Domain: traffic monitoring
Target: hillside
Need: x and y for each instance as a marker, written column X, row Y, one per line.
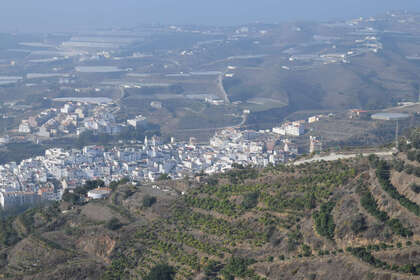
column 349, row 219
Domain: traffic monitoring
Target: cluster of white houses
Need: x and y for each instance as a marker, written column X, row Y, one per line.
column 76, row 118
column 47, row 177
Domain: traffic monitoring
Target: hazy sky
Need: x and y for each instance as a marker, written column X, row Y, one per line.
column 47, row 15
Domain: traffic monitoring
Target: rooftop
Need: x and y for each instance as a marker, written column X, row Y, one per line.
column 390, row 116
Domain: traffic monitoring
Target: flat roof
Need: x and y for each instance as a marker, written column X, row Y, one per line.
column 390, row 116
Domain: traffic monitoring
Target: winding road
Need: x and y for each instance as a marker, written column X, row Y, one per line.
column 334, row 156
column 222, row 88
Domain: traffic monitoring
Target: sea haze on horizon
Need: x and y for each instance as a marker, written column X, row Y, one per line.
column 55, row 15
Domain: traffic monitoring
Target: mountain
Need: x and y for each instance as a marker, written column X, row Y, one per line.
column 347, row 219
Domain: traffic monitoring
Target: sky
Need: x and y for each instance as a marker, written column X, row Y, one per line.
column 65, row 15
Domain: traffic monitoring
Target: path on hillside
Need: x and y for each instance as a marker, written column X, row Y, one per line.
column 334, row 156
column 222, row 88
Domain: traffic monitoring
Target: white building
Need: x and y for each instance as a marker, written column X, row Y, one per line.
column 295, row 129
column 99, row 193
column 138, row 122
column 14, row 199
column 24, row 127
column 292, row 129
column 68, row 108
column 314, row 119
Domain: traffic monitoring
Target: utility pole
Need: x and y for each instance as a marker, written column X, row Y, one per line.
column 396, row 135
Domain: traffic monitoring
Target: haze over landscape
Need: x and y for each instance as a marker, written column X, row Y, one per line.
column 227, row 140
column 50, row 15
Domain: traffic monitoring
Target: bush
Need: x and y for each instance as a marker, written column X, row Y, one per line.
column 113, row 224
column 8, row 235
column 306, row 250
column 415, row 188
column 409, row 169
column 250, row 200
column 398, row 165
column 411, row 155
column 72, row 198
column 358, row 224
column 212, row 268
column 324, row 222
column 383, row 174
column 310, row 200
column 164, row 177
column 237, row 267
column 161, row 272
column 148, row 201
column 369, row 203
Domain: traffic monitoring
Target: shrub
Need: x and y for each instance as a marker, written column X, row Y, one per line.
column 237, row 267
column 148, row 200
column 250, row 200
column 164, row 177
column 383, row 174
column 358, row 224
column 324, row 222
column 411, row 155
column 72, row 198
column 161, row 272
column 306, row 250
column 415, row 188
column 113, row 224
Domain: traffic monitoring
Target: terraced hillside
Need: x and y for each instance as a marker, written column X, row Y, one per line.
column 353, row 219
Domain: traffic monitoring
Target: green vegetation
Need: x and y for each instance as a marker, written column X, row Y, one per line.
column 250, row 200
column 222, row 229
column 164, row 177
column 19, row 151
column 8, row 235
column 358, row 225
column 415, row 188
column 237, row 267
column 76, row 197
column 161, row 272
column 365, row 255
column 306, row 250
column 324, row 222
column 383, row 174
column 148, row 201
column 222, row 206
column 369, row 203
column 113, row 224
column 240, row 174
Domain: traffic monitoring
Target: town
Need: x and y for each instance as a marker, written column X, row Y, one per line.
column 48, row 177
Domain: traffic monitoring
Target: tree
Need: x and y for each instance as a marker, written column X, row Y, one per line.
column 164, row 177
column 310, row 200
column 161, row 272
column 237, row 266
column 250, row 200
column 71, row 197
column 415, row 188
column 113, row 224
column 149, row 200
column 358, row 224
